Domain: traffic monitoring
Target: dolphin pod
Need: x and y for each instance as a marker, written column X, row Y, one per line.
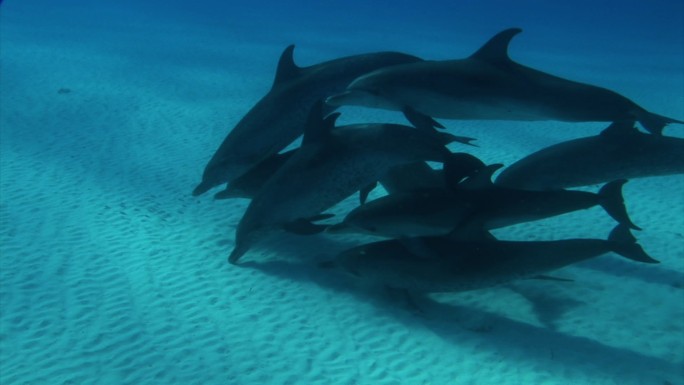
column 438, row 218
column 488, row 85
column 332, row 163
column 474, row 204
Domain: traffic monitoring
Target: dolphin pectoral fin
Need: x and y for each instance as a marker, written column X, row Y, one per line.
column 551, row 278
column 612, row 201
column 624, row 244
column 654, row 123
column 363, row 193
column 420, row 120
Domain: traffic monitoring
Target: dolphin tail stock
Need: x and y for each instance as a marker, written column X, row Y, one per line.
column 611, row 199
column 654, row 123
column 624, row 244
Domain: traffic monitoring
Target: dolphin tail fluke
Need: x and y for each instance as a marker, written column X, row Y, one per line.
column 612, row 201
column 624, row 244
column 655, row 123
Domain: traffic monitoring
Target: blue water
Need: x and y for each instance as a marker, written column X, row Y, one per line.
column 112, row 273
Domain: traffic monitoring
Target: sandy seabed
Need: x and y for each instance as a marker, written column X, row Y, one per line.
column 111, row 273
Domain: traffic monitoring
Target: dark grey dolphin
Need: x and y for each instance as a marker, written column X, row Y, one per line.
column 332, row 163
column 474, row 205
column 620, row 151
column 490, row 86
column 277, row 119
column 440, row 264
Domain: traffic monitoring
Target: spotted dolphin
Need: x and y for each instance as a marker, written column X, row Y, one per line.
column 442, row 264
column 277, row 119
column 332, row 163
column 620, row 151
column 488, row 85
column 474, row 204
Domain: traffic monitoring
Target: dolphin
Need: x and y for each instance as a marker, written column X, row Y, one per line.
column 332, row 163
column 620, row 151
column 277, row 119
column 488, row 85
column 474, row 205
column 442, row 264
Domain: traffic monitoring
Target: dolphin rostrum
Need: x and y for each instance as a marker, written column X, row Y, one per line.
column 620, row 151
column 488, row 85
column 277, row 119
column 332, row 163
column 442, row 264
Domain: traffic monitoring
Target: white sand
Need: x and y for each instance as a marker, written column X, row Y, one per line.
column 111, row 273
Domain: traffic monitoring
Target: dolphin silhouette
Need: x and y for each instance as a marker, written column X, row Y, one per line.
column 442, row 264
column 488, row 85
column 619, row 152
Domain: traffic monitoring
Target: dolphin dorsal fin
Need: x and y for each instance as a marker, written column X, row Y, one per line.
column 287, row 69
column 620, row 129
column 317, row 127
column 481, row 178
column 496, row 49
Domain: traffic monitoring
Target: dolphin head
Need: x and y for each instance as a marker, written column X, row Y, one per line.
column 222, row 170
column 367, row 91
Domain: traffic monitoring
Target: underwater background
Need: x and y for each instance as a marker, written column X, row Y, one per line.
column 112, row 273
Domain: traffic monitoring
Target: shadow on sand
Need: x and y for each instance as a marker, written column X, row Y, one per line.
column 462, row 325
